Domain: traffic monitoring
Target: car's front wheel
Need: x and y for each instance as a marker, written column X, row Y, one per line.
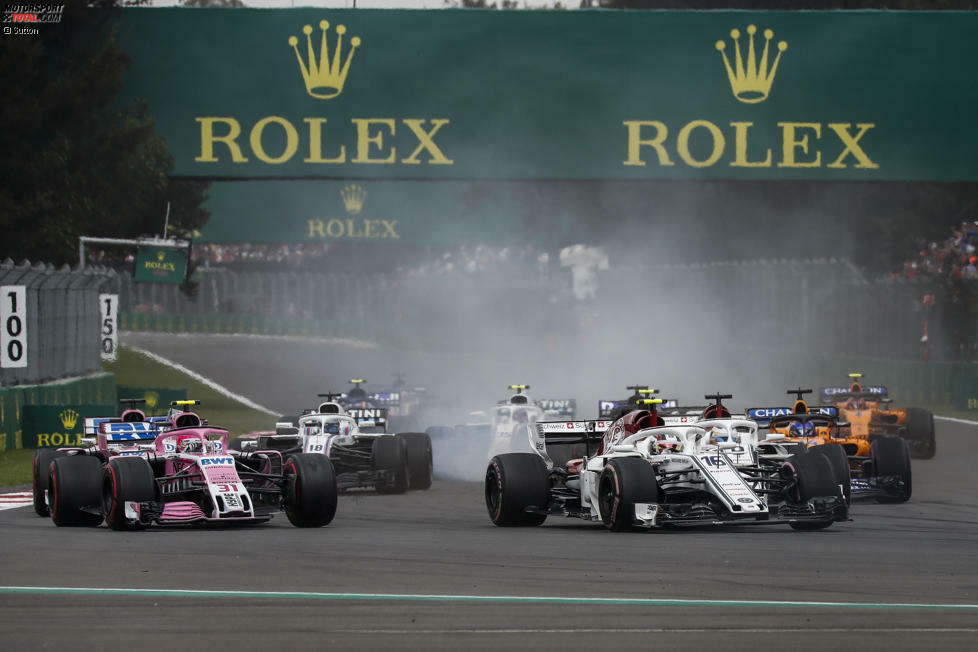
column 515, row 484
column 624, row 482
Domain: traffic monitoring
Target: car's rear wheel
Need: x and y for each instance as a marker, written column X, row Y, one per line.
column 624, row 482
column 41, row 469
column 920, row 433
column 126, row 479
column 310, row 490
column 75, row 489
column 515, row 483
column 419, row 459
column 389, row 454
column 891, row 462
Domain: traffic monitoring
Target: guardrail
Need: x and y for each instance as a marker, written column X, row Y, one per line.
column 58, row 326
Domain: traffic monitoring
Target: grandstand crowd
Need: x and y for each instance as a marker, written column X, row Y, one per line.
column 944, row 274
column 954, row 258
column 936, row 289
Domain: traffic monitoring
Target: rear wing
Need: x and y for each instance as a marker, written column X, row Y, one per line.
column 562, row 408
column 92, row 424
column 369, row 417
column 606, row 407
column 764, row 415
column 829, row 394
column 385, row 398
column 571, row 432
column 131, row 430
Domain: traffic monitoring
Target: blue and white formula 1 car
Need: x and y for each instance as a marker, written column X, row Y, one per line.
column 355, row 440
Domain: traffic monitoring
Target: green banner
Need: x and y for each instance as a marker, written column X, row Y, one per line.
column 14, row 401
column 59, row 425
column 157, row 398
column 390, row 212
column 443, row 94
column 966, row 393
column 160, row 264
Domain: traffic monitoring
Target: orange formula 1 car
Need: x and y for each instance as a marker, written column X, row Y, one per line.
column 879, row 468
column 868, row 411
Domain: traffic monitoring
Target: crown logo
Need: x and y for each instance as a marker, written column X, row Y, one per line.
column 160, row 255
column 324, row 79
column 353, row 197
column 152, row 398
column 68, row 419
column 753, row 83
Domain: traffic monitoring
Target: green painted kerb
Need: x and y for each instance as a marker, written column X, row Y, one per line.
column 498, row 599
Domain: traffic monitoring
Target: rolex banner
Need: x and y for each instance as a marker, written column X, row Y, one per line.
column 514, row 95
column 58, row 425
column 160, row 264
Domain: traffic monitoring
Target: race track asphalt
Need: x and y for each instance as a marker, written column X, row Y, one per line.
column 428, row 571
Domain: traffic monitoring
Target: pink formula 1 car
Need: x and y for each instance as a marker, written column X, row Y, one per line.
column 189, row 477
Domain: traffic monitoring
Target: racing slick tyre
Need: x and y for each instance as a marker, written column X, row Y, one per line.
column 310, row 490
column 74, row 486
column 41, row 468
column 514, row 483
column 624, row 482
column 810, row 476
column 390, row 453
column 891, row 458
column 419, row 459
column 126, row 479
column 840, row 466
column 920, row 433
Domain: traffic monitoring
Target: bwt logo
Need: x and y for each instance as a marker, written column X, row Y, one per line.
column 217, row 461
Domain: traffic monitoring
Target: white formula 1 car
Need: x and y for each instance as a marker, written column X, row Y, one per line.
column 356, row 442
column 646, row 473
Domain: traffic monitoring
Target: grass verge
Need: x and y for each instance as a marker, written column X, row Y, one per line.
column 219, row 410
column 137, row 370
column 15, row 467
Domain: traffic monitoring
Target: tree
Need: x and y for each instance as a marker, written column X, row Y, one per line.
column 72, row 160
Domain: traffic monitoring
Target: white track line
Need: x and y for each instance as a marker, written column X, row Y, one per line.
column 220, row 389
column 954, row 420
column 486, row 599
column 670, row 630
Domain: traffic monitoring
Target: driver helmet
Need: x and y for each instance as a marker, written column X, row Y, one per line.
column 520, row 416
column 188, row 444
column 718, row 434
column 665, row 444
column 799, row 429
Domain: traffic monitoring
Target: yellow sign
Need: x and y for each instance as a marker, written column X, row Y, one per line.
column 323, row 76
column 68, row 419
column 353, row 198
column 751, row 83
